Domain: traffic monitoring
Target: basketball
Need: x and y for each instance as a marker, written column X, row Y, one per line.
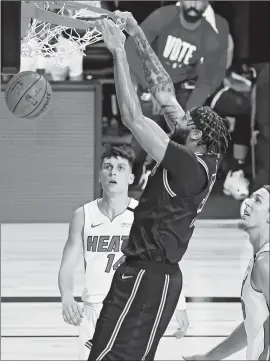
column 28, row 95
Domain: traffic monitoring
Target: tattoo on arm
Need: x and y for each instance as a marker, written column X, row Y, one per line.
column 171, row 115
column 159, row 82
column 156, row 76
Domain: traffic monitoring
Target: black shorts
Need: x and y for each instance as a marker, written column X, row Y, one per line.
column 136, row 312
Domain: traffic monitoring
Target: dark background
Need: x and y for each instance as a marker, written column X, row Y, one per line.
column 249, row 25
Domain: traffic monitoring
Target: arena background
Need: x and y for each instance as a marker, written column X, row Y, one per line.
column 50, row 167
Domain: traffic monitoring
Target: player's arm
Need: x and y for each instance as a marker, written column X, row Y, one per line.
column 212, row 71
column 159, row 82
column 181, row 316
column 151, row 27
column 235, row 342
column 149, row 134
column 71, row 310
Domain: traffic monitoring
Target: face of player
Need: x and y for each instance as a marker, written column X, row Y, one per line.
column 116, row 175
column 193, row 10
column 255, row 213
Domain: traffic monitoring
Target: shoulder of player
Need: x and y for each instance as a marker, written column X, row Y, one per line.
column 85, row 205
column 262, row 263
column 205, row 158
column 260, row 272
column 76, row 227
column 78, row 210
column 211, row 157
column 78, row 216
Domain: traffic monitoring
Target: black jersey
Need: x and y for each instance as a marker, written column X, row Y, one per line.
column 165, row 217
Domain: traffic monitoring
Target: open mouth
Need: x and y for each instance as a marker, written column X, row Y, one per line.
column 112, row 182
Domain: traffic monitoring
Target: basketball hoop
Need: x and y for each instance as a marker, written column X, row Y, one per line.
column 52, row 18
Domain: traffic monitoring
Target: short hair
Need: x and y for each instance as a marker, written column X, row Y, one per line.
column 215, row 129
column 267, row 187
column 123, row 151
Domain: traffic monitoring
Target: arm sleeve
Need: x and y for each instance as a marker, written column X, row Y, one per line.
column 151, row 27
column 186, row 170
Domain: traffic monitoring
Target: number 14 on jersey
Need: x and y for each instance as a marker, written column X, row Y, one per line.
column 111, row 265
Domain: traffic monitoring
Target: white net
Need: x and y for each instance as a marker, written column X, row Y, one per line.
column 42, row 36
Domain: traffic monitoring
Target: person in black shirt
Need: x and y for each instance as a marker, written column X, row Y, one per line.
column 146, row 287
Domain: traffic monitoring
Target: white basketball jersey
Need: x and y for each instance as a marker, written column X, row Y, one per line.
column 102, row 241
column 255, row 312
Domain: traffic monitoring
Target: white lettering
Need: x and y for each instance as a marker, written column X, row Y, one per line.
column 177, row 50
column 185, row 47
column 169, row 45
column 189, row 54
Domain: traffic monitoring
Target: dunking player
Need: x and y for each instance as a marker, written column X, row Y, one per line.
column 100, row 227
column 146, row 287
column 253, row 332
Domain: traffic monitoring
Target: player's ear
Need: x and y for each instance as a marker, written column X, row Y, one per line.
column 99, row 177
column 195, row 134
column 131, row 178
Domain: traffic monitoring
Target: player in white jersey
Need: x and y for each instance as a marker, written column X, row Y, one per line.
column 253, row 332
column 99, row 228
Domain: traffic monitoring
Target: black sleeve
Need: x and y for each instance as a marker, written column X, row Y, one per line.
column 187, row 172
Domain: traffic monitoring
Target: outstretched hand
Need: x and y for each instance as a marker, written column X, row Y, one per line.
column 112, row 35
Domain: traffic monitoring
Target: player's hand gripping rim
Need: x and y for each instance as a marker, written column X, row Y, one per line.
column 127, row 21
column 112, row 35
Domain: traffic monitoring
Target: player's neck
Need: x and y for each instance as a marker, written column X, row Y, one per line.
column 113, row 205
column 258, row 239
column 187, row 25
